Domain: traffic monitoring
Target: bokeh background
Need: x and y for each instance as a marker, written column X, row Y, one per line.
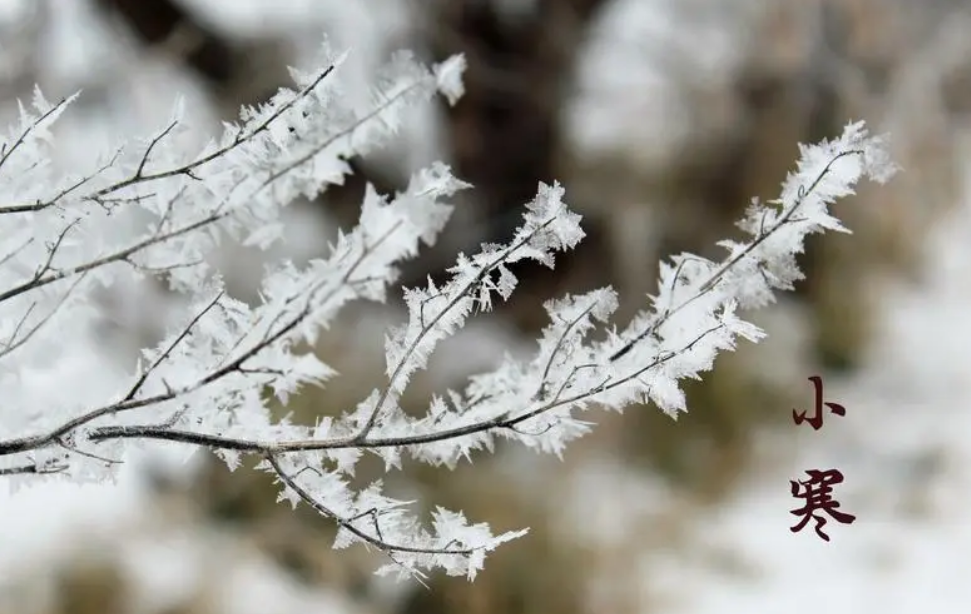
column 662, row 118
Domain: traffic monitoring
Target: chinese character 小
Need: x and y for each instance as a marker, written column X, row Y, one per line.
column 817, row 420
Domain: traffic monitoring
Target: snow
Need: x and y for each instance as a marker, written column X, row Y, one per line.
column 902, row 448
column 903, row 439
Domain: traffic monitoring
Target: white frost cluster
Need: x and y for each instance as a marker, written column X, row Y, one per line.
column 205, row 384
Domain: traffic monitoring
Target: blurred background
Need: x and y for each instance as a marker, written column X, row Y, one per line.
column 662, row 118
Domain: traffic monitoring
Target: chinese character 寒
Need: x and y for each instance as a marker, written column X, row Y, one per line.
column 818, row 497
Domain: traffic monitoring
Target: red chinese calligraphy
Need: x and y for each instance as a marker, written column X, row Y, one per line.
column 818, row 498
column 816, row 421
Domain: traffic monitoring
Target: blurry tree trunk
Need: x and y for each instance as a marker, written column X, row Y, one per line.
column 158, row 22
column 506, row 133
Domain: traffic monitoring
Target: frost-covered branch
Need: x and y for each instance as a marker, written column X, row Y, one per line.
column 65, row 237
